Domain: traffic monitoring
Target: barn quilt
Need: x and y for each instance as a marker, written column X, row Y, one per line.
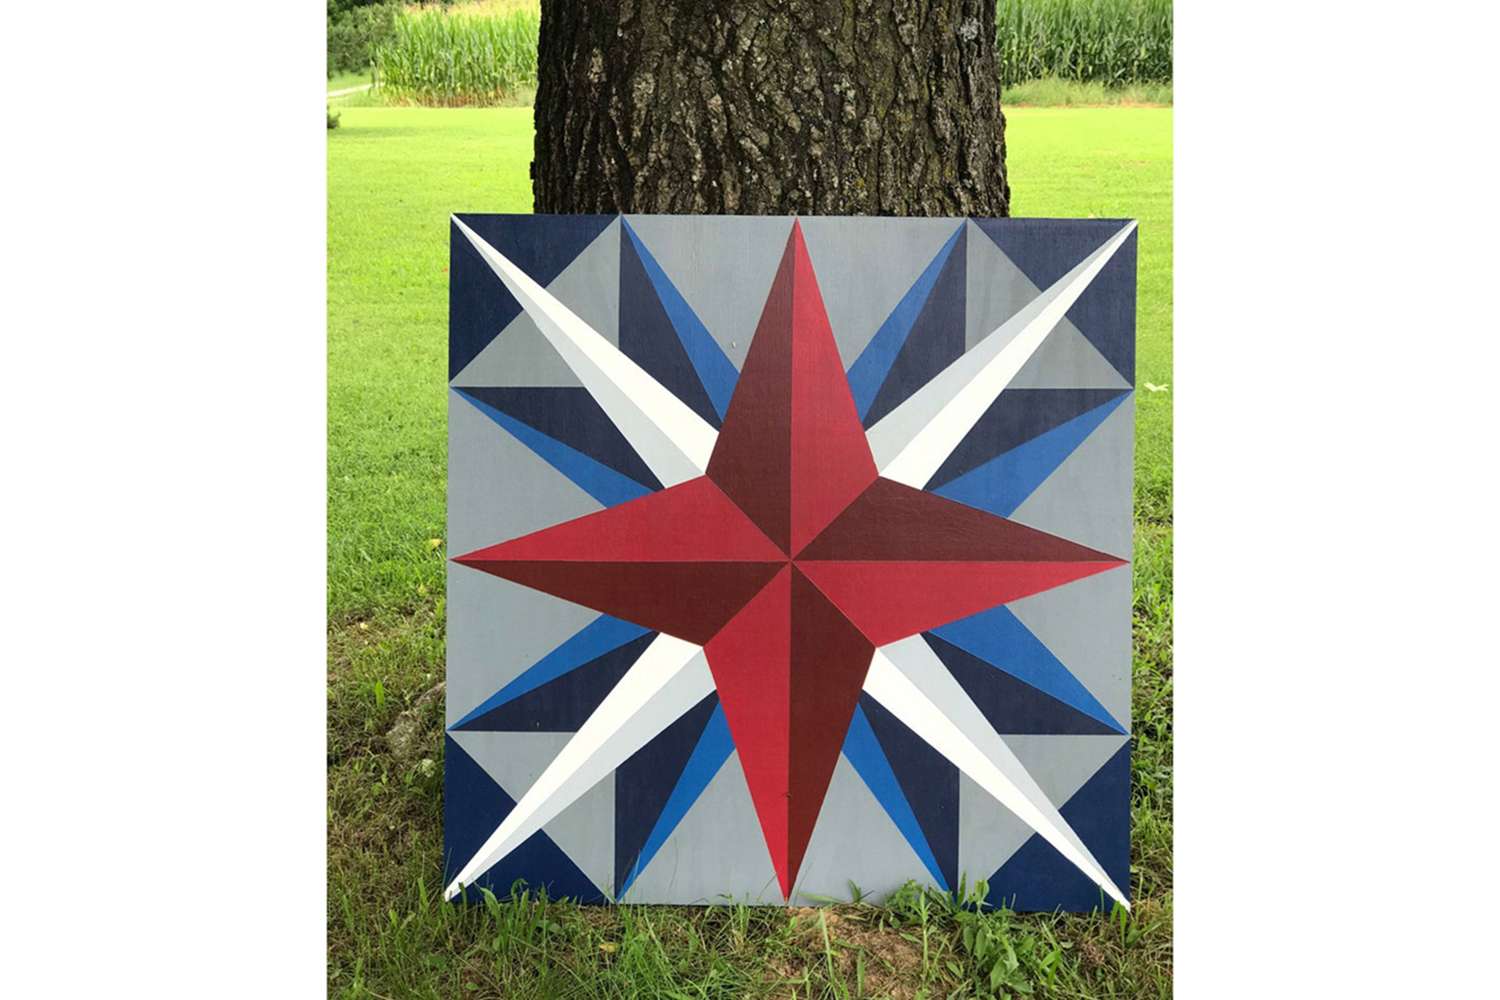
column 789, row 556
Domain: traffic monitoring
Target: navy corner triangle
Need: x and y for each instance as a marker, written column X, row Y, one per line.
column 1045, row 250
column 479, row 305
column 1038, row 878
column 474, row 805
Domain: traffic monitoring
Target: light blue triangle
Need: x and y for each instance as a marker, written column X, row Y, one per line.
column 869, row 370
column 1000, row 639
column 592, row 641
column 713, row 749
column 597, row 480
column 714, row 368
column 1004, row 482
column 862, row 749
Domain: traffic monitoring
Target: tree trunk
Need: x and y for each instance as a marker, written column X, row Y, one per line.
column 769, row 107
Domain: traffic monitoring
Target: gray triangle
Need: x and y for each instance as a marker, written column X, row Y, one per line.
column 997, row 290
column 988, row 833
column 721, row 265
column 585, row 830
column 1087, row 498
column 498, row 488
column 1086, row 625
column 521, row 356
column 590, row 286
column 1066, row 360
column 716, row 852
column 497, row 629
column 865, row 264
column 854, row 841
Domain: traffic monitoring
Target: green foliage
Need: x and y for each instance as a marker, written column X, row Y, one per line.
column 337, row 8
column 993, row 952
column 1113, row 42
column 333, row 118
column 459, row 59
column 356, row 31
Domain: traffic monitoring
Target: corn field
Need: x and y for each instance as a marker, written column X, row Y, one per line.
column 1113, row 42
column 480, row 58
column 457, row 59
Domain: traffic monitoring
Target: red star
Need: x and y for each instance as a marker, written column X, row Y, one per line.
column 790, row 561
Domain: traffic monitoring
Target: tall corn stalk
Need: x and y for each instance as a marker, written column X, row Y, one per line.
column 1113, row 42
column 459, row 59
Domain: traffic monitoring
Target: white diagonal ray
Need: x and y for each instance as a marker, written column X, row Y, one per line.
column 912, row 441
column 911, row 682
column 670, row 438
column 670, row 677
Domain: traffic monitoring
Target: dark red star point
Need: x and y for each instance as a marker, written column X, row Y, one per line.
column 790, row 561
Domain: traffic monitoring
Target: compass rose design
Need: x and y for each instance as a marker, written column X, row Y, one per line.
column 792, row 561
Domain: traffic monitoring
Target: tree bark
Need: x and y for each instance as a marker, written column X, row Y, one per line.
column 769, row 107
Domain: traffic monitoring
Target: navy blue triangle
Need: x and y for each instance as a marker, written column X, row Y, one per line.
column 1015, row 417
column 1012, row 705
column 1047, row 249
column 929, row 781
column 645, row 781
column 473, row 807
column 1037, row 877
column 936, row 339
column 648, row 337
column 479, row 305
column 570, row 415
column 563, row 704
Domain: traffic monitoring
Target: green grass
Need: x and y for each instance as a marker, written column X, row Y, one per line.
column 371, row 97
column 1055, row 93
column 342, row 81
column 394, row 175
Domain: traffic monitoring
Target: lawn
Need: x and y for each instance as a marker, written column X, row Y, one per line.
column 1054, row 93
column 343, row 81
column 394, row 175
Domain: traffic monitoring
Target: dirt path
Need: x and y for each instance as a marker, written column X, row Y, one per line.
column 350, row 90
